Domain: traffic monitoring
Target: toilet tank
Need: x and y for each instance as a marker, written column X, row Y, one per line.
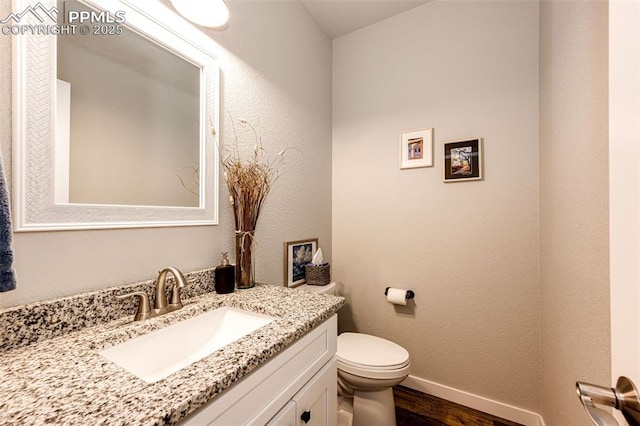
column 330, row 288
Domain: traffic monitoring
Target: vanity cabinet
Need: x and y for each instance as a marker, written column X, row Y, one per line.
column 286, row 416
column 298, row 386
column 315, row 404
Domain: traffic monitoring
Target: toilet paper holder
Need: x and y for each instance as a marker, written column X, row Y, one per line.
column 410, row 294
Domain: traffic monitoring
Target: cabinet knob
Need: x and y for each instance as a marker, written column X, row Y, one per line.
column 306, row 416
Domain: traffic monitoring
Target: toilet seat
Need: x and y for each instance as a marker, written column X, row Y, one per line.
column 370, row 356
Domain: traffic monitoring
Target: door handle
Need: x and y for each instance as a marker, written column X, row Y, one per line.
column 623, row 397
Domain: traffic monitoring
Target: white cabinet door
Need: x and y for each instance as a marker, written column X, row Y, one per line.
column 261, row 395
column 624, row 190
column 316, row 403
column 285, row 417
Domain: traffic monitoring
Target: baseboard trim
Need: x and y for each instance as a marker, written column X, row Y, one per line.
column 489, row 406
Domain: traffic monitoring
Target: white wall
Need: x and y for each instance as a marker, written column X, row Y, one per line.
column 574, row 238
column 469, row 250
column 276, row 72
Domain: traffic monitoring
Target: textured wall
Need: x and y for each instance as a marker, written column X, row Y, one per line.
column 574, row 245
column 276, row 72
column 469, row 250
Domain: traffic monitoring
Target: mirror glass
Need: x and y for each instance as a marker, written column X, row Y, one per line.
column 128, row 115
column 113, row 129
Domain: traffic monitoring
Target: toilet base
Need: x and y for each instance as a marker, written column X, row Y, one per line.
column 345, row 411
column 374, row 408
column 369, row 400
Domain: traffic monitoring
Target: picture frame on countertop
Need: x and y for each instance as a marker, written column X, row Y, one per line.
column 296, row 255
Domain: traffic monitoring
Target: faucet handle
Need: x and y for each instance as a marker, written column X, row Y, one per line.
column 143, row 307
column 175, row 295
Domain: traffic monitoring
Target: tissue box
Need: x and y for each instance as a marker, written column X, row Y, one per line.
column 317, row 274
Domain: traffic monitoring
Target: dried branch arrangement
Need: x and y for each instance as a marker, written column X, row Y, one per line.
column 195, row 181
column 249, row 182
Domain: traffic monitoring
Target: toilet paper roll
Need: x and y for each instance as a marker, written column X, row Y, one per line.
column 397, row 296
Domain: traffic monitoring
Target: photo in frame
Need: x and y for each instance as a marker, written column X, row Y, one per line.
column 416, row 148
column 463, row 160
column 296, row 255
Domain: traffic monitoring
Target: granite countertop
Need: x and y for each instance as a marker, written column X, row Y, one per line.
column 63, row 380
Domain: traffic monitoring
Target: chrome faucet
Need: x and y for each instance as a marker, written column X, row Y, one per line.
column 161, row 306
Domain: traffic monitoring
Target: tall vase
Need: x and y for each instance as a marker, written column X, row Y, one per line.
column 245, row 264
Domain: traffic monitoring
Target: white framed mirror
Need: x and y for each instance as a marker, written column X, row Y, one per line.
column 112, row 119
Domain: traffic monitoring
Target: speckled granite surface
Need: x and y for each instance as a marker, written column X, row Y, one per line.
column 26, row 324
column 63, row 380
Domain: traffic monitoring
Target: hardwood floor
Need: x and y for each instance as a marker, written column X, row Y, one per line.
column 414, row 408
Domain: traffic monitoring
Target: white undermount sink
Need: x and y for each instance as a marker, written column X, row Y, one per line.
column 156, row 355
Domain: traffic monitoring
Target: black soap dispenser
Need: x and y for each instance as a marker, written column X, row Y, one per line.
column 225, row 276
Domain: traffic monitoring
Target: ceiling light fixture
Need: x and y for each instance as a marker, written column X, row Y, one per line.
column 208, row 13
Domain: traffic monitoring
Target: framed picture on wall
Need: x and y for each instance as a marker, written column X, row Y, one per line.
column 296, row 255
column 463, row 160
column 416, row 148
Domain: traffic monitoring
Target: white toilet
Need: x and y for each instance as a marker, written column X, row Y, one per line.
column 368, row 368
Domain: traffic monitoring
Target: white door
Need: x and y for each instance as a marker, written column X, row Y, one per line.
column 624, row 188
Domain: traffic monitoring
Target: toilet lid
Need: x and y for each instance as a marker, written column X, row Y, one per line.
column 371, row 352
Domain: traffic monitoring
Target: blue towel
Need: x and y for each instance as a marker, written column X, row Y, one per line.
column 7, row 274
